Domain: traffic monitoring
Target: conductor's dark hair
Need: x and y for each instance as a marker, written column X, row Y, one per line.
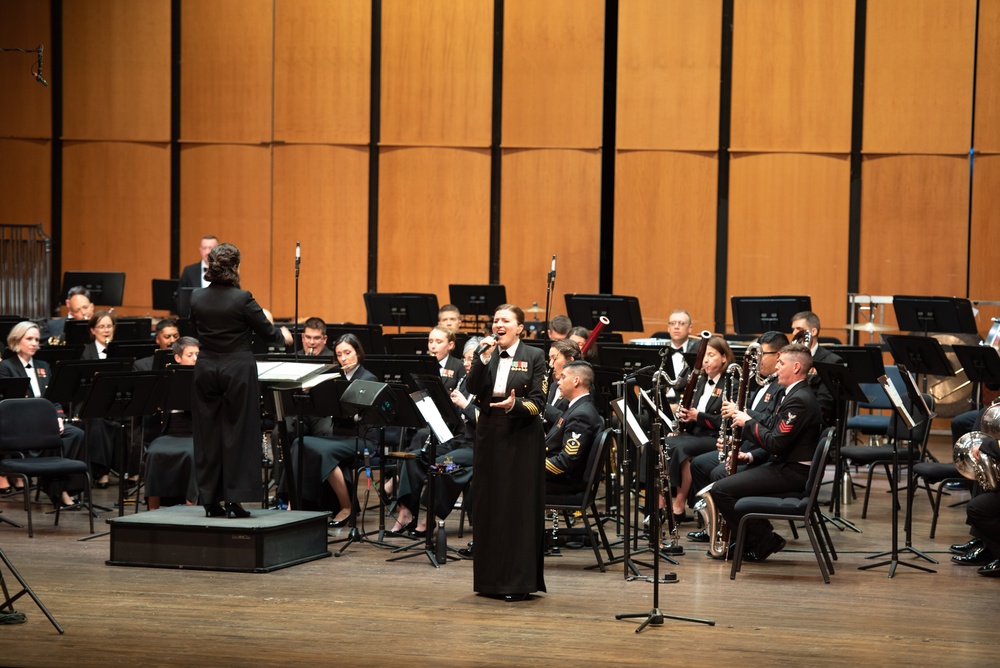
column 223, row 262
column 353, row 341
column 773, row 339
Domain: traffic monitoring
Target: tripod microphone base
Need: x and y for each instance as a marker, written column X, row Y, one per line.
column 655, row 618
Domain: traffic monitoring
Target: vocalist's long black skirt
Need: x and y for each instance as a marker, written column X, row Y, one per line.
column 508, row 505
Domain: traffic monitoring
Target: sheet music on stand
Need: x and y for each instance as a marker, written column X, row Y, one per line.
column 632, row 426
column 897, row 402
column 293, row 372
column 425, row 404
column 916, row 396
column 667, row 421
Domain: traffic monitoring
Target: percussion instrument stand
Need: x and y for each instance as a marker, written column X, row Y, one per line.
column 8, row 603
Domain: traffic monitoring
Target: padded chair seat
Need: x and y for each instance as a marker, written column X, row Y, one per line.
column 44, row 466
column 867, row 454
column 870, row 424
column 935, row 472
column 563, row 499
column 772, row 505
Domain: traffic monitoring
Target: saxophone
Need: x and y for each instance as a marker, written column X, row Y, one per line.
column 735, row 388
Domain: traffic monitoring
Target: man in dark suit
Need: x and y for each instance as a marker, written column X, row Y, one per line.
column 166, row 334
column 193, row 275
column 569, row 441
column 314, row 339
column 78, row 307
column 807, row 321
column 790, row 445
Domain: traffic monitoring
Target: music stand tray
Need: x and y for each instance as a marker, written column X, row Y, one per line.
column 981, row 363
column 942, row 315
column 14, row 388
column 76, row 332
column 628, row 358
column 477, row 300
column 165, row 294
column 55, row 354
column 756, row 315
column 71, row 380
column 622, row 311
column 402, row 309
column 401, row 369
column 107, row 288
column 919, row 354
column 370, row 336
column 864, row 361
column 132, row 350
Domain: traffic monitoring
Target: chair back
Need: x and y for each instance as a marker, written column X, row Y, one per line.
column 28, row 424
column 595, row 465
column 815, row 478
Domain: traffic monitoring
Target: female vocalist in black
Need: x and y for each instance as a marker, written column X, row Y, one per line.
column 226, row 400
column 509, row 461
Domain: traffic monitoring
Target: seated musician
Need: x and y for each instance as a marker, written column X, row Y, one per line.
column 559, row 327
column 101, row 433
column 698, row 424
column 561, row 353
column 570, row 439
column 580, row 336
column 457, row 451
column 440, row 343
column 325, row 457
column 24, row 340
column 450, row 317
column 314, row 339
column 761, row 402
column 166, row 334
column 78, row 307
column 679, row 328
column 982, row 514
column 790, row 445
column 807, row 321
column 171, row 477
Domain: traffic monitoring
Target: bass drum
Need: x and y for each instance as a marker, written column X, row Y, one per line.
column 951, row 393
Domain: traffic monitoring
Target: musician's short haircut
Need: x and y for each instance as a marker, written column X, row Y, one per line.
column 811, row 319
column 471, row 344
column 315, row 323
column 680, row 310
column 163, row 324
column 78, row 290
column 581, row 369
column 773, row 339
column 568, row 348
column 178, row 346
column 800, row 354
column 449, row 308
column 561, row 324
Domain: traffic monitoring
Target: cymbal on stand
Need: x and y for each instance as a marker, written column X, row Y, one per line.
column 870, row 327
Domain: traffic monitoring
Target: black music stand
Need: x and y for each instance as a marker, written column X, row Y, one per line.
column 941, row 315
column 845, row 387
column 627, row 358
column 107, row 288
column 117, row 396
column 756, row 315
column 55, row 354
column 131, row 350
column 76, row 332
column 184, row 302
column 370, row 336
column 622, row 311
column 402, row 369
column 477, row 300
column 165, row 292
column 432, row 401
column 981, row 364
column 920, row 355
column 411, row 343
column 134, row 329
column 908, row 415
column 402, row 309
column 14, row 388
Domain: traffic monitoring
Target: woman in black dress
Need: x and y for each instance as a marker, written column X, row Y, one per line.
column 226, row 400
column 509, row 461
column 101, row 432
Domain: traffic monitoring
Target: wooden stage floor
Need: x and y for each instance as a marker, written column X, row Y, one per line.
column 360, row 610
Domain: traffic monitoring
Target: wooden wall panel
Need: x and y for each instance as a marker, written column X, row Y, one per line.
column 116, row 214
column 322, row 71
column 988, row 78
column 918, row 76
column 550, row 203
column 665, row 209
column 321, row 200
column 914, row 226
column 116, row 59
column 788, row 228
column 226, row 78
column 26, row 182
column 434, row 219
column 437, row 72
column 668, row 74
column 27, row 105
column 792, row 75
column 984, row 279
column 226, row 191
column 553, row 62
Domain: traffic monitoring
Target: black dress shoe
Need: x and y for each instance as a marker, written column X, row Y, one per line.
column 101, row 485
column 465, row 552
column 214, row 510
column 235, row 510
column 965, row 547
column 698, row 536
column 6, row 491
column 990, row 570
column 681, row 517
column 416, row 533
column 510, row 598
column 775, row 544
column 977, row 556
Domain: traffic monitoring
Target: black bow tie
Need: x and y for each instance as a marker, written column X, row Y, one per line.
column 28, row 365
column 504, row 354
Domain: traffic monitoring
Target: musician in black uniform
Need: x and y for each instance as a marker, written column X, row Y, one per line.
column 700, row 423
column 440, row 343
column 226, row 399
column 983, row 516
column 790, row 444
column 78, row 307
column 570, row 439
column 807, row 321
column 194, row 275
column 509, row 462
column 102, row 433
column 23, row 340
column 561, row 353
column 166, row 334
column 679, row 329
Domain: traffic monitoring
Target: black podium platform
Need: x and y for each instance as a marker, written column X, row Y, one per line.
column 182, row 537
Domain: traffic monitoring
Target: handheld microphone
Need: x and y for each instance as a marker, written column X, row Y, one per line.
column 38, row 74
column 486, row 343
column 552, row 272
column 298, row 257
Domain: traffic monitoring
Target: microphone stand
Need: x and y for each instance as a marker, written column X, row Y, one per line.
column 550, row 285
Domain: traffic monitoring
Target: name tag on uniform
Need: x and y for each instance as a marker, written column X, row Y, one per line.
column 521, row 365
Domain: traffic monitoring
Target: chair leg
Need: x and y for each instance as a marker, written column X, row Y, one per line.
column 826, row 536
column 795, row 532
column 936, row 506
column 741, row 536
column 868, row 489
column 592, row 535
column 90, row 501
column 820, row 559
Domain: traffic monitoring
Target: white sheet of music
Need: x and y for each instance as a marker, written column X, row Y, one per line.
column 289, row 371
column 433, row 416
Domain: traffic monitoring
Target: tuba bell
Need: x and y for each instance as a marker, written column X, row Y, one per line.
column 970, row 461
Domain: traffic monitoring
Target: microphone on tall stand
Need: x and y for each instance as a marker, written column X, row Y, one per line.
column 38, row 73
column 298, row 262
column 548, row 294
